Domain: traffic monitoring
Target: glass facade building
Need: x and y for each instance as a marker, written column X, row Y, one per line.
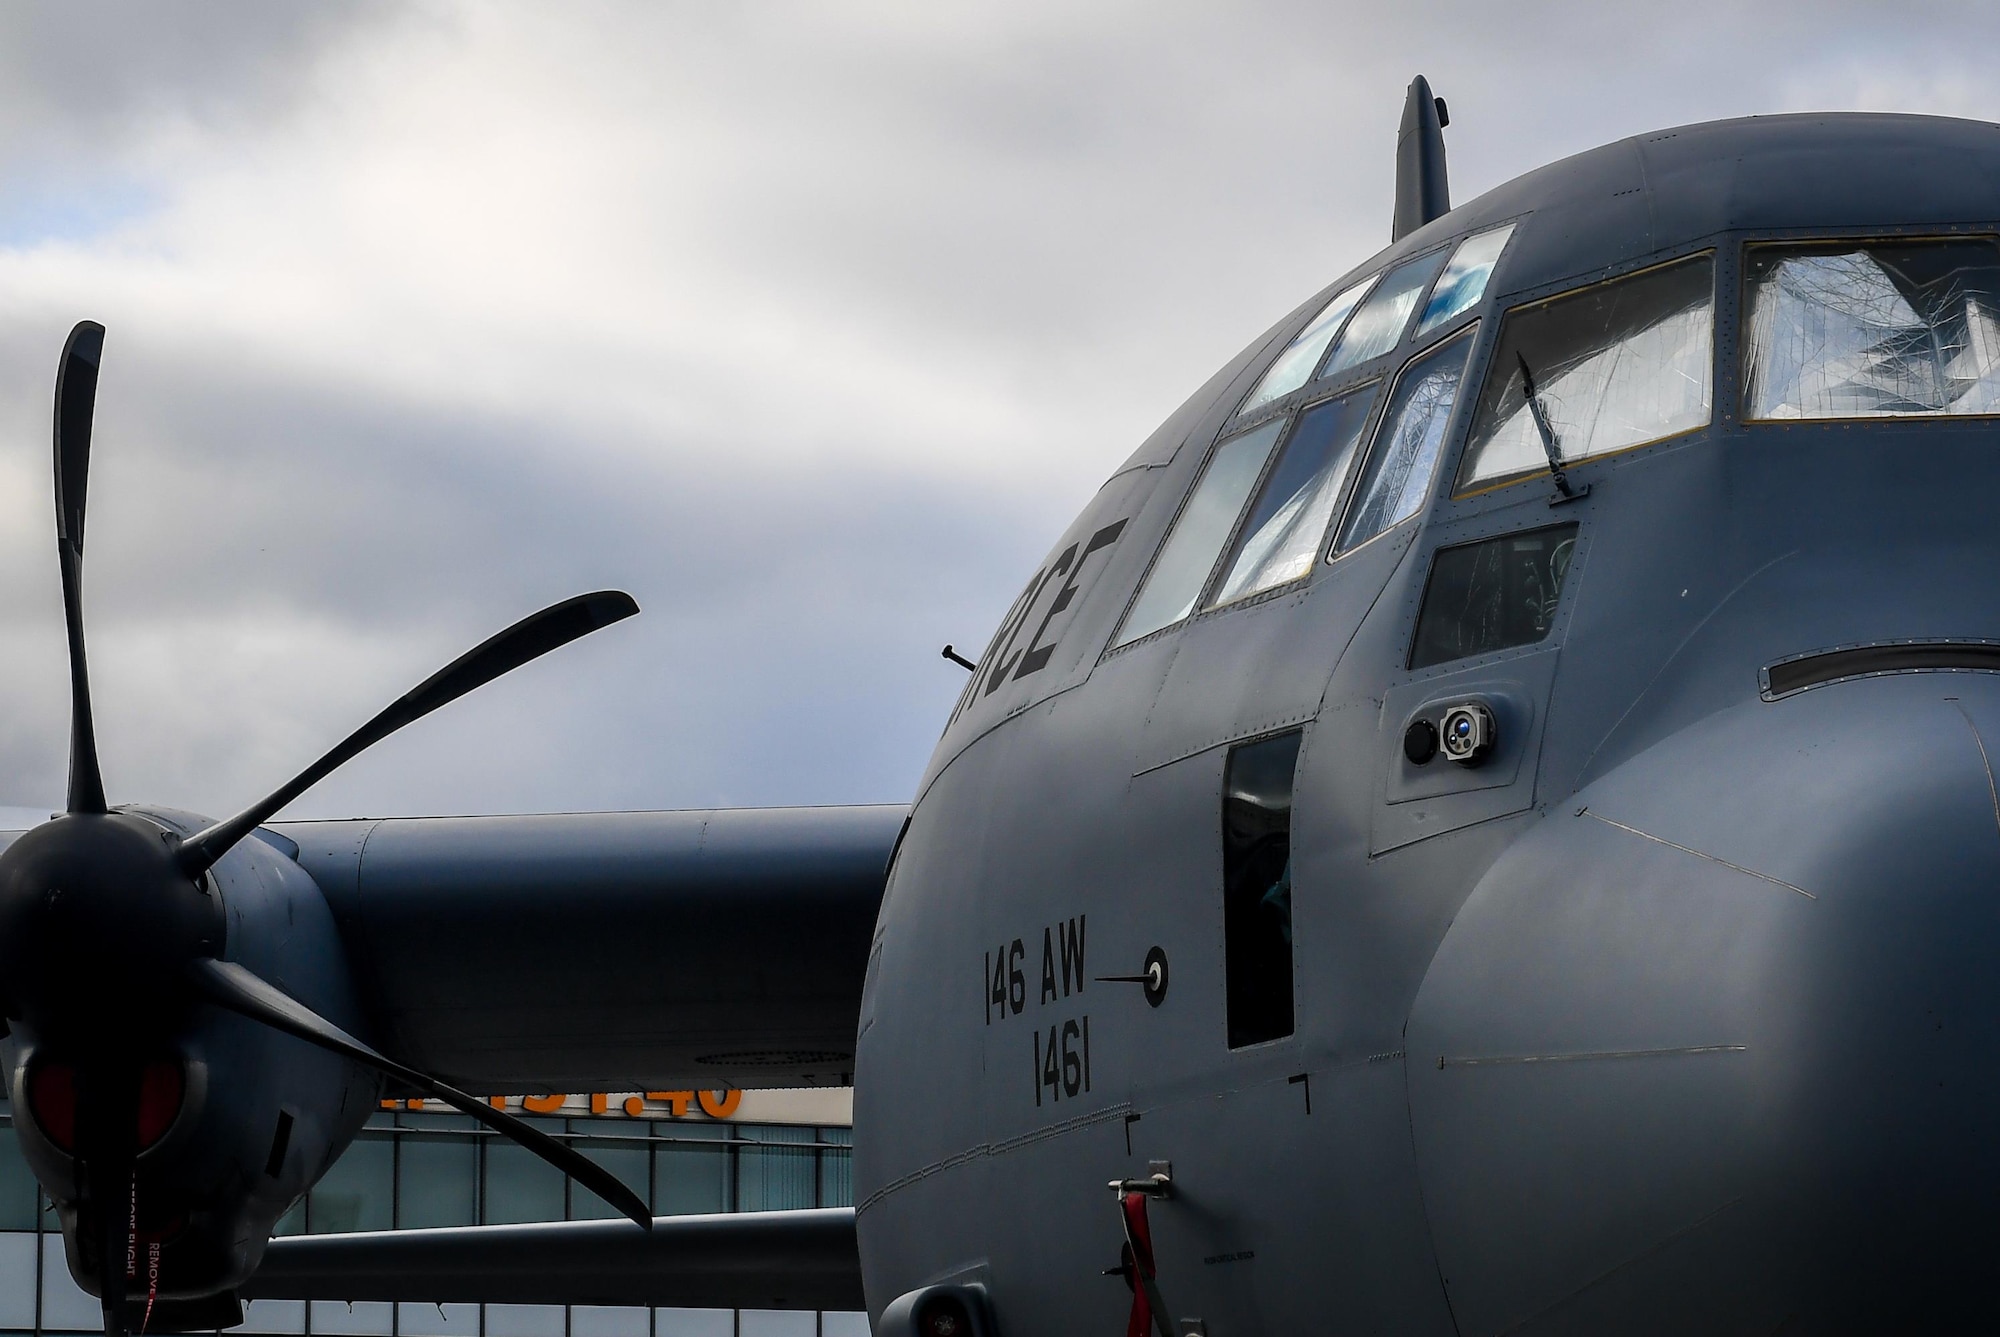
column 410, row 1169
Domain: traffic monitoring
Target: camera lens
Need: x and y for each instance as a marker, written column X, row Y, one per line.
column 1469, row 733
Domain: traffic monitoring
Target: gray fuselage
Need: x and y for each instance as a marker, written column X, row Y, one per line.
column 1679, row 1014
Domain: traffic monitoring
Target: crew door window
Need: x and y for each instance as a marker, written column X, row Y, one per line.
column 1257, row 888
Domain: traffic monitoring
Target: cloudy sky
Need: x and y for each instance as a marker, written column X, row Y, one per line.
column 810, row 325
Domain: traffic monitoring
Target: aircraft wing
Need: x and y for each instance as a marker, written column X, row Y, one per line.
column 740, row 1260
column 610, row 951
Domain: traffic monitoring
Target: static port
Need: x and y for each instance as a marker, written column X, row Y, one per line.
column 1467, row 733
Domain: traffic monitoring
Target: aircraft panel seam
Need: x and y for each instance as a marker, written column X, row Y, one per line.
column 1699, row 854
column 1243, row 731
column 993, row 1149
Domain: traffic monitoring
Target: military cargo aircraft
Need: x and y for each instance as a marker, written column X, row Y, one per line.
column 1486, row 823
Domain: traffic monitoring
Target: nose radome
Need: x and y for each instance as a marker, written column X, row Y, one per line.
column 1718, row 1040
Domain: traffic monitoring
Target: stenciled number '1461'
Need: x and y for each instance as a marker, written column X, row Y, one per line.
column 1062, row 1060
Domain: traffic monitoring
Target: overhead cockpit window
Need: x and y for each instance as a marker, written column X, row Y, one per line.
column 1203, row 526
column 1885, row 329
column 1463, row 282
column 1407, row 442
column 1294, row 366
column 1378, row 326
column 1288, row 522
column 1607, row 368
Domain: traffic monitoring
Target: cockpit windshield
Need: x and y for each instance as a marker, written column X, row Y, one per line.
column 1882, row 329
column 1611, row 366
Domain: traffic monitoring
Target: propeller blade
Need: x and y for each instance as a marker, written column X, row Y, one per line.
column 76, row 401
column 106, row 1133
column 230, row 986
column 530, row 638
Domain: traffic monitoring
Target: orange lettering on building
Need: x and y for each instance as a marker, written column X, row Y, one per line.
column 635, row 1105
column 542, row 1104
column 677, row 1101
column 720, row 1104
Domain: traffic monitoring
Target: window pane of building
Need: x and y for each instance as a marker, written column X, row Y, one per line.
column 524, row 1321
column 521, row 1186
column 627, row 1163
column 691, row 1172
column 694, row 1323
column 17, row 1280
column 843, row 1323
column 65, row 1306
column 778, row 1323
column 19, row 1196
column 608, row 1321
column 836, row 1169
column 437, row 1175
column 358, row 1191
column 775, row 1178
column 292, row 1222
column 361, row 1318
column 435, row 1320
column 274, row 1316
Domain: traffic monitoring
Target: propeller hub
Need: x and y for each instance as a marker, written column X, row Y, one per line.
column 97, row 925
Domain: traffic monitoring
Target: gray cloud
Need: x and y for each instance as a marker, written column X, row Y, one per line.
column 810, row 325
column 90, row 68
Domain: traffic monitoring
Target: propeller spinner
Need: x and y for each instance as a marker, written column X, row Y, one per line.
column 112, row 928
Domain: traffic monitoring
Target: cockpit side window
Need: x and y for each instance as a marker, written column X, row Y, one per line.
column 1188, row 556
column 1612, row 366
column 1288, row 521
column 1873, row 330
column 1378, row 326
column 1407, row 442
column 1295, row 365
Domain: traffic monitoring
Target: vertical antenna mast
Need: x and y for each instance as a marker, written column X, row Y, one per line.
column 1422, row 192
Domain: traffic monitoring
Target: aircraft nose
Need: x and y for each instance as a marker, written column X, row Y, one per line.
column 1718, row 1041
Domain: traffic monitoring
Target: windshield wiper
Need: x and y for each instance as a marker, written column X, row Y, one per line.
column 1551, row 445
